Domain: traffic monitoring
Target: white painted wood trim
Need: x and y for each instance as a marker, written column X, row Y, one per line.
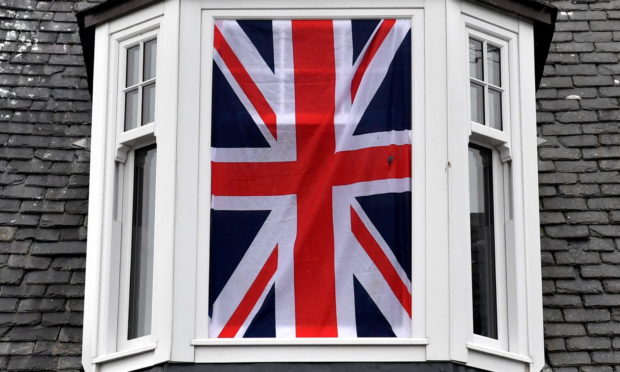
column 94, row 261
column 187, row 187
column 312, row 5
column 498, row 361
column 311, row 353
column 437, row 272
column 500, row 353
column 310, row 341
column 531, row 220
column 125, row 353
column 458, row 200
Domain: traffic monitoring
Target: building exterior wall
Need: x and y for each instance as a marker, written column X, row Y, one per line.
column 580, row 188
column 44, row 142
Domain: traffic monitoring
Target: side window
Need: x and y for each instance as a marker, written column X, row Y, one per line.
column 140, row 84
column 485, row 75
column 136, row 161
column 490, row 177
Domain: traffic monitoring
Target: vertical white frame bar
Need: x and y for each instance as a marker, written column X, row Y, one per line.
column 438, row 274
column 460, row 301
column 94, row 293
column 186, row 271
column 532, row 291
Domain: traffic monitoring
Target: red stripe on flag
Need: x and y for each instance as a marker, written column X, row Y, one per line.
column 251, row 297
column 376, row 42
column 285, row 178
column 377, row 163
column 245, row 82
column 380, row 260
column 315, row 84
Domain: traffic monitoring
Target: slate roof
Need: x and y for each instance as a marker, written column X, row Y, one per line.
column 579, row 117
column 44, row 165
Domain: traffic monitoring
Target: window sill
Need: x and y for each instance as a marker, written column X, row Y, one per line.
column 308, row 341
column 125, row 353
column 500, row 353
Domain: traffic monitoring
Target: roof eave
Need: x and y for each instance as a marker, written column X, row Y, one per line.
column 542, row 15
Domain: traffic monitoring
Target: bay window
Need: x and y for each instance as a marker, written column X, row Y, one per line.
column 312, row 182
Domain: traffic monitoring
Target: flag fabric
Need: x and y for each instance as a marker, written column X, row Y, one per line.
column 311, row 179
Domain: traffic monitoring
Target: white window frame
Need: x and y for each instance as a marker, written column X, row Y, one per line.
column 128, row 141
column 498, row 141
column 201, row 16
column 110, row 204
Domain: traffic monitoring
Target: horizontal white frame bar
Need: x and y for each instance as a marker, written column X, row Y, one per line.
column 486, row 133
column 309, row 341
column 134, row 135
column 140, row 84
column 499, row 353
column 334, row 13
column 125, row 353
column 313, row 4
column 310, row 353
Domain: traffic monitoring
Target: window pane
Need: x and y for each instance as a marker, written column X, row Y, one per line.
column 133, row 66
column 142, row 238
column 131, row 109
column 148, row 104
column 477, row 103
column 475, row 59
column 482, row 241
column 150, row 58
column 494, row 65
column 495, row 109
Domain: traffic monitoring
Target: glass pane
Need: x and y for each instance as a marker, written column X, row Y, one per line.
column 477, row 103
column 142, row 238
column 482, row 241
column 475, row 59
column 494, row 65
column 133, row 66
column 148, row 104
column 495, row 109
column 131, row 109
column 150, row 59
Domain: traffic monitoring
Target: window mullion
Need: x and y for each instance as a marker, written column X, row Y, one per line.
column 139, row 117
column 502, row 244
column 141, row 83
column 485, row 76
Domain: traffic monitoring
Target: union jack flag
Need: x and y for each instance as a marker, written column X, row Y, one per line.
column 311, row 179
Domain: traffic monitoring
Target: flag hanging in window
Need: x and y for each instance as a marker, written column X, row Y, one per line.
column 311, row 179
